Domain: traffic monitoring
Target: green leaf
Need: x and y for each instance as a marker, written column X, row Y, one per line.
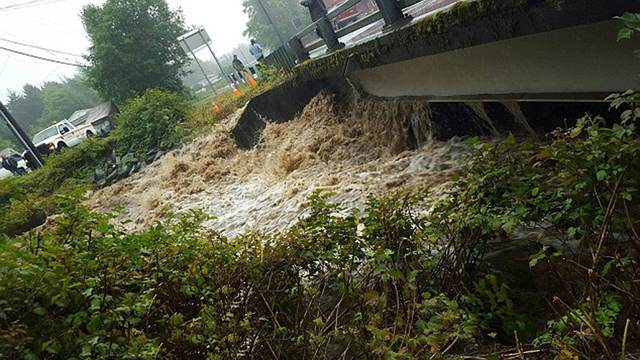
column 39, row 310
column 94, row 340
column 602, row 175
column 624, row 33
column 51, row 347
column 538, row 256
column 95, row 304
column 94, row 324
column 318, row 322
column 86, row 350
column 396, row 274
column 510, row 225
column 177, row 319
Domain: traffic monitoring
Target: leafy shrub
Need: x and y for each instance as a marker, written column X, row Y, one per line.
column 26, row 201
column 152, row 120
column 334, row 284
column 386, row 282
column 580, row 189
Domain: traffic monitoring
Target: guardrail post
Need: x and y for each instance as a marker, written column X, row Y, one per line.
column 328, row 34
column 300, row 53
column 391, row 12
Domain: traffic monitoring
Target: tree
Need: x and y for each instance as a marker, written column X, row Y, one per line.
column 133, row 47
column 61, row 100
column 194, row 74
column 27, row 106
column 282, row 13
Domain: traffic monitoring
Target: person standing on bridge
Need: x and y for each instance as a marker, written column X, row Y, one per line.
column 256, row 50
column 317, row 9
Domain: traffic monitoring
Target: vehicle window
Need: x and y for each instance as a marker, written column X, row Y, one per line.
column 52, row 131
column 63, row 130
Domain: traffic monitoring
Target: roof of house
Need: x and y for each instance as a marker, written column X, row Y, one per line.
column 78, row 116
column 97, row 113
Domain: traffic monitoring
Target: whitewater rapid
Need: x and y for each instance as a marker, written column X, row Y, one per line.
column 266, row 189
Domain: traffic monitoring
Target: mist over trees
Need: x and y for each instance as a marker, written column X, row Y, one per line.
column 282, row 12
column 194, row 77
column 60, row 100
column 133, row 47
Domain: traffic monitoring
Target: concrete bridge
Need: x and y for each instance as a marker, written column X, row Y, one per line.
column 461, row 52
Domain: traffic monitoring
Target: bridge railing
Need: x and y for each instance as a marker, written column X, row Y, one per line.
column 296, row 51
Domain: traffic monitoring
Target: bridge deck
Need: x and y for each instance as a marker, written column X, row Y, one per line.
column 530, row 49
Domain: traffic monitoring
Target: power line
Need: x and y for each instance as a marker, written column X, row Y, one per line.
column 52, row 24
column 29, row 4
column 41, row 58
column 40, row 48
column 21, row 39
column 5, row 65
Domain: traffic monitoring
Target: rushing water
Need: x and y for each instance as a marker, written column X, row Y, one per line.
column 266, row 188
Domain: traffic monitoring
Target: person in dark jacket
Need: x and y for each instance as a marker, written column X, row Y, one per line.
column 10, row 164
column 317, row 8
column 238, row 66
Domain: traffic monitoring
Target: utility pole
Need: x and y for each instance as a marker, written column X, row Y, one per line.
column 275, row 29
column 21, row 135
column 198, row 39
column 227, row 77
column 204, row 73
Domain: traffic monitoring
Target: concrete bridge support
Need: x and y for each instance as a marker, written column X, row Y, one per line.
column 578, row 63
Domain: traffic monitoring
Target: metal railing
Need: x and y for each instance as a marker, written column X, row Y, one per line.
column 295, row 52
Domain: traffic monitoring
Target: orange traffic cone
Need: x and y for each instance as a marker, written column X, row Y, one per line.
column 234, row 90
column 216, row 108
column 250, row 79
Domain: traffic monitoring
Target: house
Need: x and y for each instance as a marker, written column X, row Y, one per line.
column 102, row 117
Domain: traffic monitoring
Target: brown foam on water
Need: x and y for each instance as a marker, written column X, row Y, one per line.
column 266, row 188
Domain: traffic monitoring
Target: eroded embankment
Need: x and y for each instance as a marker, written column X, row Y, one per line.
column 327, row 147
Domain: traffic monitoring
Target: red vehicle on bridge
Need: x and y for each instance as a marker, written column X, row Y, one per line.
column 352, row 14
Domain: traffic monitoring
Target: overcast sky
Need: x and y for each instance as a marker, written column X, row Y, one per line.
column 56, row 25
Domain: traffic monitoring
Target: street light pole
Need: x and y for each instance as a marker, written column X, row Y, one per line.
column 21, row 135
column 216, row 59
column 202, row 69
column 264, row 10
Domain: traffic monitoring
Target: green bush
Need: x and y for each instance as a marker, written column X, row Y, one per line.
column 388, row 282
column 152, row 120
column 26, row 201
column 333, row 284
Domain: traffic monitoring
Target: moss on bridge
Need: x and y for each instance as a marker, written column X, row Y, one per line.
column 463, row 25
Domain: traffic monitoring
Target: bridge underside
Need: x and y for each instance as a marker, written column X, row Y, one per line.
column 583, row 63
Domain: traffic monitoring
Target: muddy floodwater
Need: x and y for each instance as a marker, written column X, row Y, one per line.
column 266, row 189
